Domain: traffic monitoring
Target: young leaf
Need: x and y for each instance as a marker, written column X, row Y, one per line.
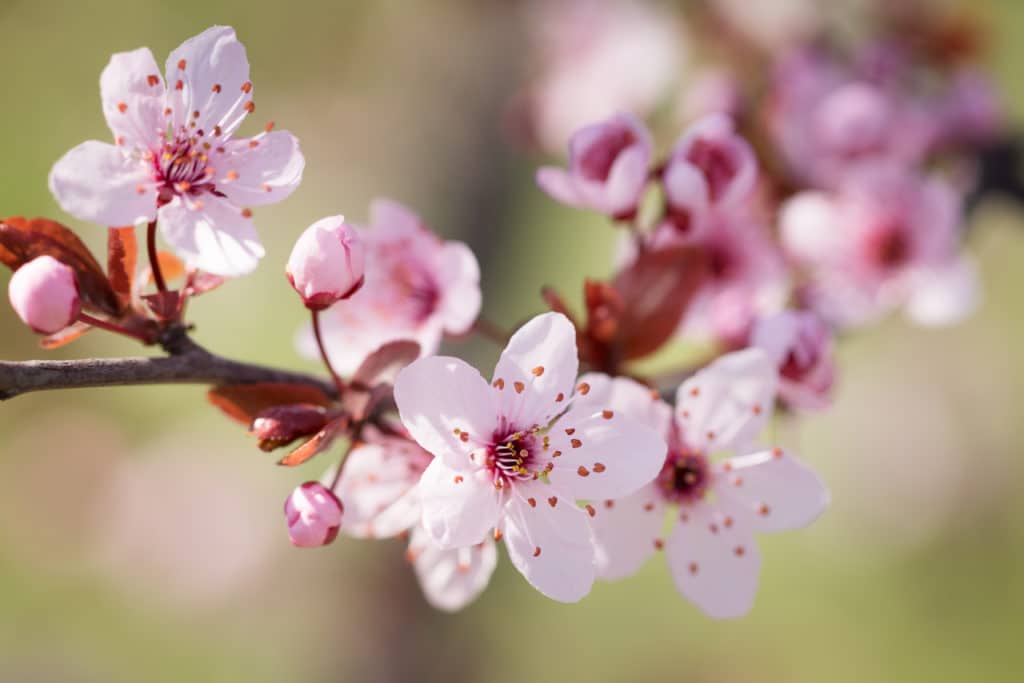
column 122, row 258
column 384, row 364
column 244, row 402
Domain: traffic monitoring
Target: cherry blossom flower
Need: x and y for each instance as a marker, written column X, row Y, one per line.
column 314, row 515
column 608, row 165
column 800, row 344
column 710, row 166
column 517, row 455
column 326, row 264
column 716, row 505
column 887, row 238
column 417, row 287
column 44, row 294
column 176, row 159
column 379, row 486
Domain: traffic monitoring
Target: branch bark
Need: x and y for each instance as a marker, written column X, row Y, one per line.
column 188, row 363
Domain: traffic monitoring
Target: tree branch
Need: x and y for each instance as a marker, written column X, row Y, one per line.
column 188, row 363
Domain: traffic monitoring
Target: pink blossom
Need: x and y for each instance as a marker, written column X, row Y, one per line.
column 314, row 515
column 608, row 166
column 887, row 238
column 800, row 344
column 509, row 457
column 717, row 506
column 417, row 287
column 379, row 485
column 198, row 180
column 710, row 90
column 326, row 264
column 710, row 166
column 44, row 294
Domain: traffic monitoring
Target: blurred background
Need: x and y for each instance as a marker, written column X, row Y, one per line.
column 141, row 533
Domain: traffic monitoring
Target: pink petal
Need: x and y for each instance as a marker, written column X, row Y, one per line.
column 460, row 303
column 448, row 408
column 132, row 92
column 627, row 531
column 558, row 184
column 214, row 74
column 262, row 174
column 378, row 488
column 627, row 180
column 728, row 403
column 624, row 395
column 460, row 507
column 212, row 235
column 603, row 454
column 550, row 544
column 686, row 188
column 810, row 227
column 538, row 364
column 777, row 491
column 392, row 220
column 451, row 579
column 96, row 182
column 945, row 296
column 714, row 560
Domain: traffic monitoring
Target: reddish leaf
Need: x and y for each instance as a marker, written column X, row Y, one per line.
column 279, row 426
column 201, row 283
column 122, row 257
column 319, row 443
column 164, row 305
column 384, row 364
column 244, row 402
column 22, row 240
column 65, row 336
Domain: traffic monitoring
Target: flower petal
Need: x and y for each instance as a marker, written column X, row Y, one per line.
column 212, row 235
column 624, row 395
column 447, row 407
column 627, row 531
column 627, row 180
column 451, row 579
column 538, row 364
column 460, row 508
column 378, row 488
column 728, row 403
column 213, row 72
column 260, row 170
column 133, row 95
column 778, row 491
column 96, row 182
column 714, row 560
column 945, row 296
column 686, row 188
column 558, row 184
column 460, row 302
column 550, row 544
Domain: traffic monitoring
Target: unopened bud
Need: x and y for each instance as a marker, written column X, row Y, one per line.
column 314, row 515
column 326, row 264
column 280, row 425
column 44, row 294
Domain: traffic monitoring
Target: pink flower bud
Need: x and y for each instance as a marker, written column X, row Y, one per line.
column 326, row 264
column 314, row 515
column 44, row 293
column 801, row 344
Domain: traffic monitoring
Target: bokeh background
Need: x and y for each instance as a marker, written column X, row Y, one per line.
column 141, row 534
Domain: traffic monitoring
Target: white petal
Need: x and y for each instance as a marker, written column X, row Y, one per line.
column 212, row 235
column 447, row 407
column 378, row 489
column 810, row 227
column 558, row 184
column 132, row 92
column 550, row 544
column 728, row 403
column 686, row 187
column 627, row 531
column 260, row 175
column 213, row 81
column 393, row 220
column 626, row 180
column 96, row 182
column 538, row 364
column 603, row 454
column 778, row 491
column 460, row 301
column 945, row 296
column 460, row 508
column 624, row 395
column 451, row 579
column 714, row 560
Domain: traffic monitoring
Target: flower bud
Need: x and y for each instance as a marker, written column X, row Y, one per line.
column 800, row 343
column 44, row 294
column 314, row 515
column 326, row 264
column 280, row 425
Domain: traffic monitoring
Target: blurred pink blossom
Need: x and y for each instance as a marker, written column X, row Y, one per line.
column 801, row 346
column 44, row 294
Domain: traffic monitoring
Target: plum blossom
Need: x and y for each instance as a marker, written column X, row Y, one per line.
column 326, row 264
column 888, row 238
column 515, row 456
column 710, row 166
column 379, row 486
column 800, row 344
column 314, row 515
column 176, row 159
column 716, row 505
column 608, row 166
column 44, row 294
column 418, row 287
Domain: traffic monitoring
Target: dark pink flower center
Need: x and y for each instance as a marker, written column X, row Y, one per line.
column 717, row 164
column 684, row 477
column 597, row 160
column 182, row 168
column 513, row 456
column 889, row 245
column 418, row 293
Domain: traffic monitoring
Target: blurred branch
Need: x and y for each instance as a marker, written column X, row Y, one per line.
column 187, row 363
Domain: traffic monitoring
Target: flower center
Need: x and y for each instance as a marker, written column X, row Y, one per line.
column 596, row 163
column 890, row 246
column 182, row 168
column 718, row 166
column 513, row 457
column 684, row 477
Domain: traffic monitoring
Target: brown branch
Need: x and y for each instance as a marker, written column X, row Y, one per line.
column 188, row 363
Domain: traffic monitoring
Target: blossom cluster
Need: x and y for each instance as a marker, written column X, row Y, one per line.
column 765, row 234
